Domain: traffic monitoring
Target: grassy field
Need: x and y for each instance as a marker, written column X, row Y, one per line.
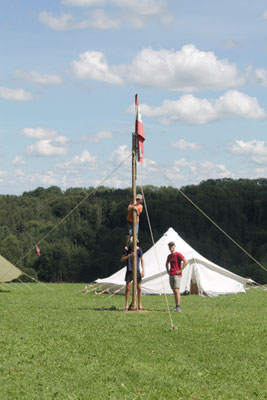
column 59, row 345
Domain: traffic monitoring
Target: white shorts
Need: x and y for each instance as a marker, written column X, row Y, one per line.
column 175, row 281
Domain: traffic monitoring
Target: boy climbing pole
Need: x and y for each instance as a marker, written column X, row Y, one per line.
column 138, row 208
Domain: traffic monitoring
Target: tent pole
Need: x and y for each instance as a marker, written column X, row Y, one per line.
column 134, row 147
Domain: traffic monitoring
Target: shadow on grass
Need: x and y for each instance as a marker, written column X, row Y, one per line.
column 5, row 291
column 114, row 308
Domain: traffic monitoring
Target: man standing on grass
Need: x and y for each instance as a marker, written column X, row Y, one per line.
column 128, row 255
column 174, row 269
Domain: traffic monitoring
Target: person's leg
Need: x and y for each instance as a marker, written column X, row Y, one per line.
column 127, row 293
column 177, row 296
column 139, row 292
column 137, row 230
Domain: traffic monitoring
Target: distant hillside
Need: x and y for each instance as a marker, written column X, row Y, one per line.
column 87, row 244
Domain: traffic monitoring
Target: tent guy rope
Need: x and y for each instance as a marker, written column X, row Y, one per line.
column 156, row 255
column 214, row 223
column 63, row 219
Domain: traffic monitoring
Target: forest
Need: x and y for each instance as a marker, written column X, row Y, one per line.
column 81, row 232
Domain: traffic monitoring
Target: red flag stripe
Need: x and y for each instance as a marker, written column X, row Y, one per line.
column 139, row 129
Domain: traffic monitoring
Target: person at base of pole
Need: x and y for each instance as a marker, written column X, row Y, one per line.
column 138, row 208
column 128, row 255
column 174, row 269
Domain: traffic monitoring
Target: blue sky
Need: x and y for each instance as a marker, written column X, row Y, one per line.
column 70, row 70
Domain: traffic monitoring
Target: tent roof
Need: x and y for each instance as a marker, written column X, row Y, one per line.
column 8, row 271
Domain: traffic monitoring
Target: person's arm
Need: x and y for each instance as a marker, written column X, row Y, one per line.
column 133, row 207
column 130, row 206
column 139, row 208
column 167, row 267
column 125, row 257
column 143, row 267
column 185, row 262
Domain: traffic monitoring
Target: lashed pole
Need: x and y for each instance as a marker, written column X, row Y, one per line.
column 134, row 245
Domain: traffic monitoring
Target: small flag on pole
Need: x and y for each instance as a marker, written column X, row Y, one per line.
column 38, row 250
column 139, row 130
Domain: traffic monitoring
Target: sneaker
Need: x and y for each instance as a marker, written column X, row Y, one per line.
column 178, row 309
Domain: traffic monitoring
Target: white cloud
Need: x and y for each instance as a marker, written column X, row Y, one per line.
column 38, row 133
column 236, row 104
column 196, row 172
column 84, row 3
column 62, row 23
column 256, row 149
column 182, row 171
column 66, row 22
column 186, row 70
column 18, row 160
column 15, row 94
column 93, row 65
column 39, row 79
column 192, row 110
column 99, row 136
column 120, row 154
column 46, row 148
column 137, row 12
column 49, row 142
column 100, row 20
column 85, row 160
column 147, row 172
column 261, row 77
column 46, row 179
column 184, row 145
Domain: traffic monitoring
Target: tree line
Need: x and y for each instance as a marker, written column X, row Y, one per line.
column 86, row 244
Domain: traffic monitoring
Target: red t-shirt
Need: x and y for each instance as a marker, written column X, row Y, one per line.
column 175, row 260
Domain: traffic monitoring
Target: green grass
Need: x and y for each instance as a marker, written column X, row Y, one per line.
column 58, row 345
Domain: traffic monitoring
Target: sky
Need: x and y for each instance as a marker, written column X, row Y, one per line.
column 69, row 72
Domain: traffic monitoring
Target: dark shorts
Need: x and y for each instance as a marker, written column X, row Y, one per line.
column 129, row 277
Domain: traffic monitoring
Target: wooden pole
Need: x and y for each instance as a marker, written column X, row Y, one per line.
column 134, row 259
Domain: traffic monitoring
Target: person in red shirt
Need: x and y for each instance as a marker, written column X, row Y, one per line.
column 175, row 264
column 138, row 208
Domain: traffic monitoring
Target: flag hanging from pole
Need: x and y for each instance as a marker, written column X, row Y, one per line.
column 139, row 130
column 38, row 250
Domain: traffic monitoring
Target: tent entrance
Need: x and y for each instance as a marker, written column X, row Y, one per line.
column 193, row 285
column 193, row 288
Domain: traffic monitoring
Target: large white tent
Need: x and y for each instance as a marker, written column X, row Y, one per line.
column 209, row 278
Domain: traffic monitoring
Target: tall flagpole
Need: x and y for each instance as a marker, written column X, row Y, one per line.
column 134, row 246
column 137, row 146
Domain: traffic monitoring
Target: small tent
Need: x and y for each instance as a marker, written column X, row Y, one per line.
column 208, row 278
column 8, row 271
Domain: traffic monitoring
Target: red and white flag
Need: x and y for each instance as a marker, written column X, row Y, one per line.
column 139, row 130
column 38, row 250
